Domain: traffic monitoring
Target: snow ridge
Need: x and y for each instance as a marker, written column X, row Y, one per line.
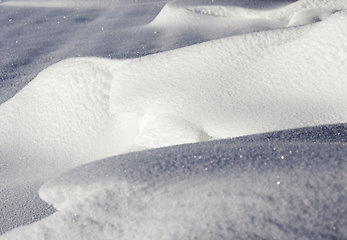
column 220, row 189
column 265, row 77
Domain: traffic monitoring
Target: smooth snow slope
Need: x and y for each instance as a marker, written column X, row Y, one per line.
column 32, row 40
column 258, row 187
column 36, row 38
column 84, row 109
column 236, row 86
column 248, row 84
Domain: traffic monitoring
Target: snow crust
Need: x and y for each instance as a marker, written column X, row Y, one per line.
column 83, row 109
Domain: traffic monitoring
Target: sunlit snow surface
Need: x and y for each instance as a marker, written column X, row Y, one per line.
column 84, row 109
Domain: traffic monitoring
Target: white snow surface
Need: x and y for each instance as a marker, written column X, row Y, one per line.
column 247, row 84
column 284, row 67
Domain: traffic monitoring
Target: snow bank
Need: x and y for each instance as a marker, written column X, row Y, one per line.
column 216, row 190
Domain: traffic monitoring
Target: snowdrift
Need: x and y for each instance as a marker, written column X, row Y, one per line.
column 283, row 68
column 269, row 188
column 88, row 108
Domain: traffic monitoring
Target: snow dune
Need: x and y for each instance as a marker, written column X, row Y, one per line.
column 223, row 189
column 187, row 20
column 207, row 21
column 89, row 108
column 84, row 109
column 247, row 84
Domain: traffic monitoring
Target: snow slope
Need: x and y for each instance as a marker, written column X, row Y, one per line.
column 33, row 39
column 258, row 187
column 90, row 108
column 247, row 84
column 84, row 109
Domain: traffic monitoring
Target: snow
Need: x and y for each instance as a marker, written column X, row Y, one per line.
column 282, row 68
column 102, row 4
column 310, row 16
column 269, row 189
column 175, row 17
column 231, row 91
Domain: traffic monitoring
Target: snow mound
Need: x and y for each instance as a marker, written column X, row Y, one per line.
column 85, row 109
column 216, row 190
column 234, row 19
column 62, row 118
column 186, row 20
column 246, row 84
